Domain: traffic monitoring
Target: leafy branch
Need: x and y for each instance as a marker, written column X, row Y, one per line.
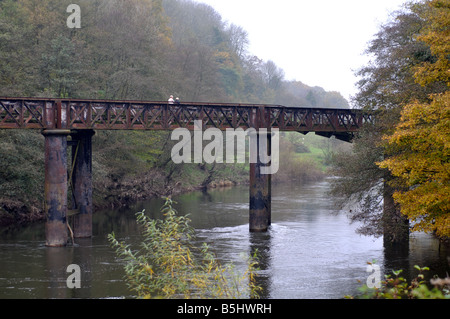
column 168, row 265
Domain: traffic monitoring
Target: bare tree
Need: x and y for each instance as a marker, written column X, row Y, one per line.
column 239, row 41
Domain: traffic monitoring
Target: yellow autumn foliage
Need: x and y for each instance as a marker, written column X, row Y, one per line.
column 437, row 36
column 421, row 141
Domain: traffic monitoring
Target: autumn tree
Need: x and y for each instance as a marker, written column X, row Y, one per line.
column 198, row 52
column 128, row 42
column 386, row 84
column 420, row 142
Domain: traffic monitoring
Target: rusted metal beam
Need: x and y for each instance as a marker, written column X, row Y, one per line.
column 140, row 115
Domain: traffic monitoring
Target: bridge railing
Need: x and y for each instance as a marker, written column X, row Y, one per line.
column 29, row 113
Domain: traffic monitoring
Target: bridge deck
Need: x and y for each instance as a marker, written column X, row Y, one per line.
column 42, row 113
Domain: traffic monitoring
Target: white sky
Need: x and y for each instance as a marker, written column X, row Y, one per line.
column 317, row 42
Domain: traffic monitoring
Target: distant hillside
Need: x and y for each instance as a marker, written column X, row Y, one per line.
column 300, row 94
column 212, row 63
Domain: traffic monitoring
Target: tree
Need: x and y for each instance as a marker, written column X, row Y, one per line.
column 238, row 39
column 61, row 67
column 128, row 41
column 437, row 36
column 387, row 84
column 273, row 75
column 420, row 141
column 12, row 72
column 200, row 51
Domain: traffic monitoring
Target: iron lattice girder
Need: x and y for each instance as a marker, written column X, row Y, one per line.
column 34, row 113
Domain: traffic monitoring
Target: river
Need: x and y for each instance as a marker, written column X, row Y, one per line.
column 310, row 251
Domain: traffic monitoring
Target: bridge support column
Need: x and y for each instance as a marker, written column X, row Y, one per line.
column 55, row 209
column 82, row 182
column 395, row 224
column 260, row 184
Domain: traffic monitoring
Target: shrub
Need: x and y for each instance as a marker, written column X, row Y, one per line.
column 168, row 264
column 396, row 287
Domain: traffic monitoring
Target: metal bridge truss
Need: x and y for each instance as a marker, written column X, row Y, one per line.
column 33, row 113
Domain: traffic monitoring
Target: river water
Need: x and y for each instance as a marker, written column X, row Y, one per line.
column 310, row 251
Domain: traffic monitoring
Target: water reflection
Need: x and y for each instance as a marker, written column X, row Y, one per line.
column 308, row 252
column 260, row 243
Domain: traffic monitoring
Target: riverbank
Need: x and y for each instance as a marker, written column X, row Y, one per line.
column 114, row 195
column 156, row 183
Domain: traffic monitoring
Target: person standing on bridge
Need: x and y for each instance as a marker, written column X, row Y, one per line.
column 171, row 99
column 177, row 100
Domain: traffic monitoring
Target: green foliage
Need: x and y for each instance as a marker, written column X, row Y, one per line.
column 168, row 265
column 21, row 152
column 300, row 158
column 397, row 287
column 137, row 49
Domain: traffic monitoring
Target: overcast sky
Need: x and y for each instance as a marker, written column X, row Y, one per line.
column 319, row 43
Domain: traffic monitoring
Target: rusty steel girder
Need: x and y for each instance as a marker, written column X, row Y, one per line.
column 34, row 113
